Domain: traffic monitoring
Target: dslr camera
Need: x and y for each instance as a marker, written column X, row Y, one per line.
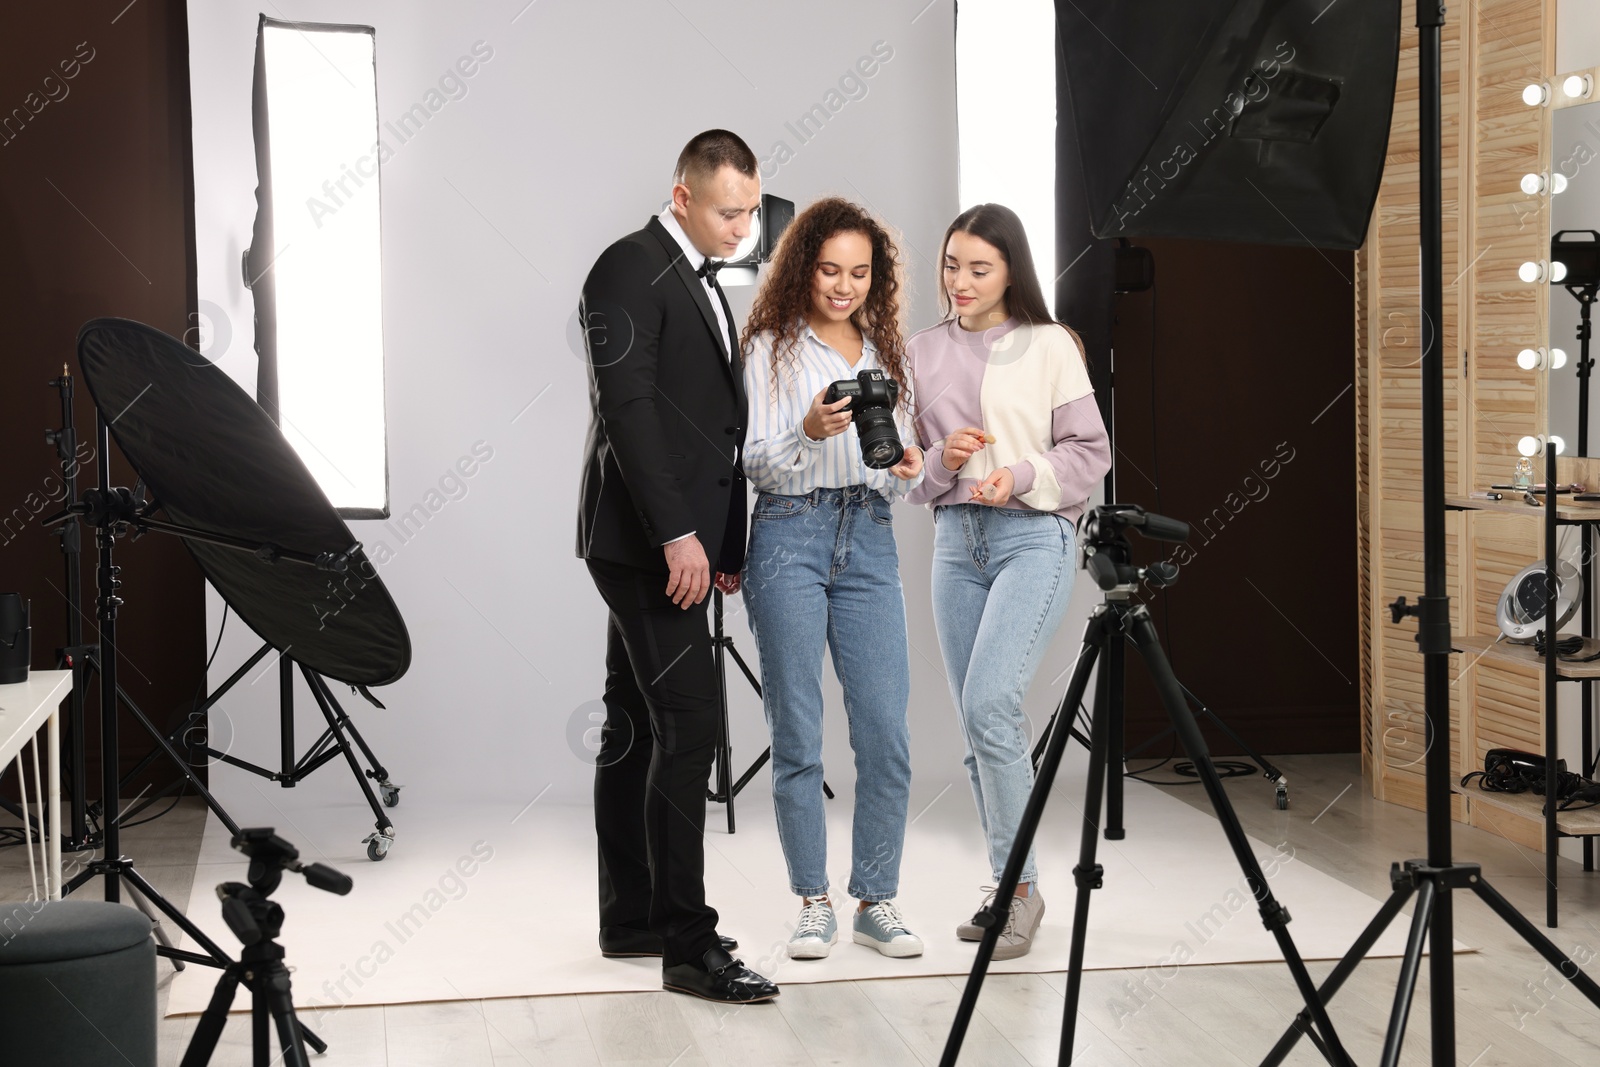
column 872, row 398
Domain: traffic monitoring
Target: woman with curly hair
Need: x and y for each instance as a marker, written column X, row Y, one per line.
column 822, row 569
column 1015, row 446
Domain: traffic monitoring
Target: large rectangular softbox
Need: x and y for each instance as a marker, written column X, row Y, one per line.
column 1239, row 120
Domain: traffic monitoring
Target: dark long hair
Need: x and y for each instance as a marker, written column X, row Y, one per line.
column 1000, row 226
column 785, row 298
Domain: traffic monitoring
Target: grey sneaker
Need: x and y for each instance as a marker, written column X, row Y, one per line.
column 816, row 932
column 1017, row 937
column 882, row 926
column 970, row 930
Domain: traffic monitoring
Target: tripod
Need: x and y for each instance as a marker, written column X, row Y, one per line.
column 727, row 789
column 1116, row 756
column 1107, row 557
column 331, row 744
column 257, row 921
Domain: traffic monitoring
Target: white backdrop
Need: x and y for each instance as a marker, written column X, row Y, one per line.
column 562, row 141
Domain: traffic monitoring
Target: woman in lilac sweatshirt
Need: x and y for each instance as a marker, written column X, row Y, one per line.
column 1014, row 445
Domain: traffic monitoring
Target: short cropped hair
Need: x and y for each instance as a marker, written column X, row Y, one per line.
column 708, row 152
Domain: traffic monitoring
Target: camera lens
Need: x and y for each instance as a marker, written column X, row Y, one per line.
column 880, row 441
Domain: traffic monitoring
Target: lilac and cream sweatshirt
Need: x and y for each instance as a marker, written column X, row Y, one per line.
column 1028, row 386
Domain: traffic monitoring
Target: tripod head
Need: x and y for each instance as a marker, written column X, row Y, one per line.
column 249, row 914
column 1108, row 557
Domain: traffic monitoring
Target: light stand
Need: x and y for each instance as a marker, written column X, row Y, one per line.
column 1437, row 877
column 726, row 789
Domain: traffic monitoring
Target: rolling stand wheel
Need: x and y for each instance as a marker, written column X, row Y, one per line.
column 1283, row 794
column 390, row 793
column 379, row 843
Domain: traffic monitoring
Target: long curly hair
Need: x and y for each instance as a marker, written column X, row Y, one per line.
column 785, row 299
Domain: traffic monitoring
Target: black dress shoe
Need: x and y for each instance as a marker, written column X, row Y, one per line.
column 627, row 942
column 718, row 977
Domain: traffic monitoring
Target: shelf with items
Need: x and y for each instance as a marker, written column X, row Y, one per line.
column 1578, row 822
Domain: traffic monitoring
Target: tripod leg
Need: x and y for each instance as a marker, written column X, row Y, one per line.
column 160, row 931
column 1116, row 729
column 1087, row 873
column 1538, row 941
column 261, row 1024
column 272, row 996
column 993, row 917
column 1352, row 959
column 215, row 1017
column 1410, row 965
column 219, row 958
column 327, row 704
column 1136, row 621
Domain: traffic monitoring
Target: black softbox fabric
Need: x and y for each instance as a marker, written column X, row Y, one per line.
column 1242, row 120
column 214, row 461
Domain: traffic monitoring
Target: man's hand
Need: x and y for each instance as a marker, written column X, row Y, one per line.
column 960, row 445
column 823, row 421
column 910, row 464
column 728, row 583
column 995, row 490
column 690, row 578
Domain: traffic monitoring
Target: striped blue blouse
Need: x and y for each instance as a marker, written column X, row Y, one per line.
column 778, row 456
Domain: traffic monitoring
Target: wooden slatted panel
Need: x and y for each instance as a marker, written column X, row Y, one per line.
column 1503, row 705
column 1490, row 140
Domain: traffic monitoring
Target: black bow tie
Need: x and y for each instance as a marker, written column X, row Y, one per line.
column 708, row 270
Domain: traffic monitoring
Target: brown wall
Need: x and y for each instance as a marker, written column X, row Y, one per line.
column 1250, row 364
column 95, row 193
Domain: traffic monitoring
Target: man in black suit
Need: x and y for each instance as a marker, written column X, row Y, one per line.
column 662, row 510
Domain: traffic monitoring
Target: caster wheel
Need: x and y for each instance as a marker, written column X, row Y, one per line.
column 378, row 846
column 1283, row 801
column 390, row 794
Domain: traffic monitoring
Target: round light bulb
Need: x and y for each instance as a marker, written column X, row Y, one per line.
column 1577, row 86
column 1558, row 443
column 1533, row 184
column 1529, row 359
column 1558, row 271
column 1558, row 358
column 1535, row 94
column 1531, row 272
column 1558, row 183
column 1528, row 446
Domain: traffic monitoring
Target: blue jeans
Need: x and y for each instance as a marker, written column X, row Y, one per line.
column 822, row 569
column 1001, row 582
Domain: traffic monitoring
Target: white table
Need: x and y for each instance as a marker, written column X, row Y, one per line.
column 23, row 709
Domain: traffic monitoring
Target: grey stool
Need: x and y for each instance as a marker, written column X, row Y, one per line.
column 77, row 985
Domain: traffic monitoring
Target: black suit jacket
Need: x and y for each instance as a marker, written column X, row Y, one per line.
column 667, row 411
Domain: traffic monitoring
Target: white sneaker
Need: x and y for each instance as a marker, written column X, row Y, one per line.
column 883, row 927
column 816, row 932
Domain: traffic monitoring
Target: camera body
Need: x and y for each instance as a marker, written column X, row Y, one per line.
column 873, row 395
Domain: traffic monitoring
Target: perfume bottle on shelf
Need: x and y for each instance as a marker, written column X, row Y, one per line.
column 1523, row 476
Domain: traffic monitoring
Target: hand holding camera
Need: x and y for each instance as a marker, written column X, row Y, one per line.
column 827, row 418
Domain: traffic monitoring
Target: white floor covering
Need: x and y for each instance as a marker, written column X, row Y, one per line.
column 493, row 901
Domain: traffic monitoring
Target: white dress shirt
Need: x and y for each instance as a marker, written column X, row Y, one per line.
column 695, row 258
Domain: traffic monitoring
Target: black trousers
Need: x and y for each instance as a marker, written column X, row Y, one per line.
column 656, row 748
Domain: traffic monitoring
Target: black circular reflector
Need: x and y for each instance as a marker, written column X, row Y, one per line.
column 215, row 462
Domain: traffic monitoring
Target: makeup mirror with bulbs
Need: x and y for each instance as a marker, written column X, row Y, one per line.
column 1571, row 185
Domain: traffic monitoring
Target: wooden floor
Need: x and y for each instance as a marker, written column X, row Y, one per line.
column 1511, row 1008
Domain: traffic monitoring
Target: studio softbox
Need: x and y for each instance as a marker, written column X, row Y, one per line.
column 1241, row 120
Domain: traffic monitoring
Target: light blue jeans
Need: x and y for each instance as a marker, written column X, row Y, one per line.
column 822, row 569
column 1002, row 578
